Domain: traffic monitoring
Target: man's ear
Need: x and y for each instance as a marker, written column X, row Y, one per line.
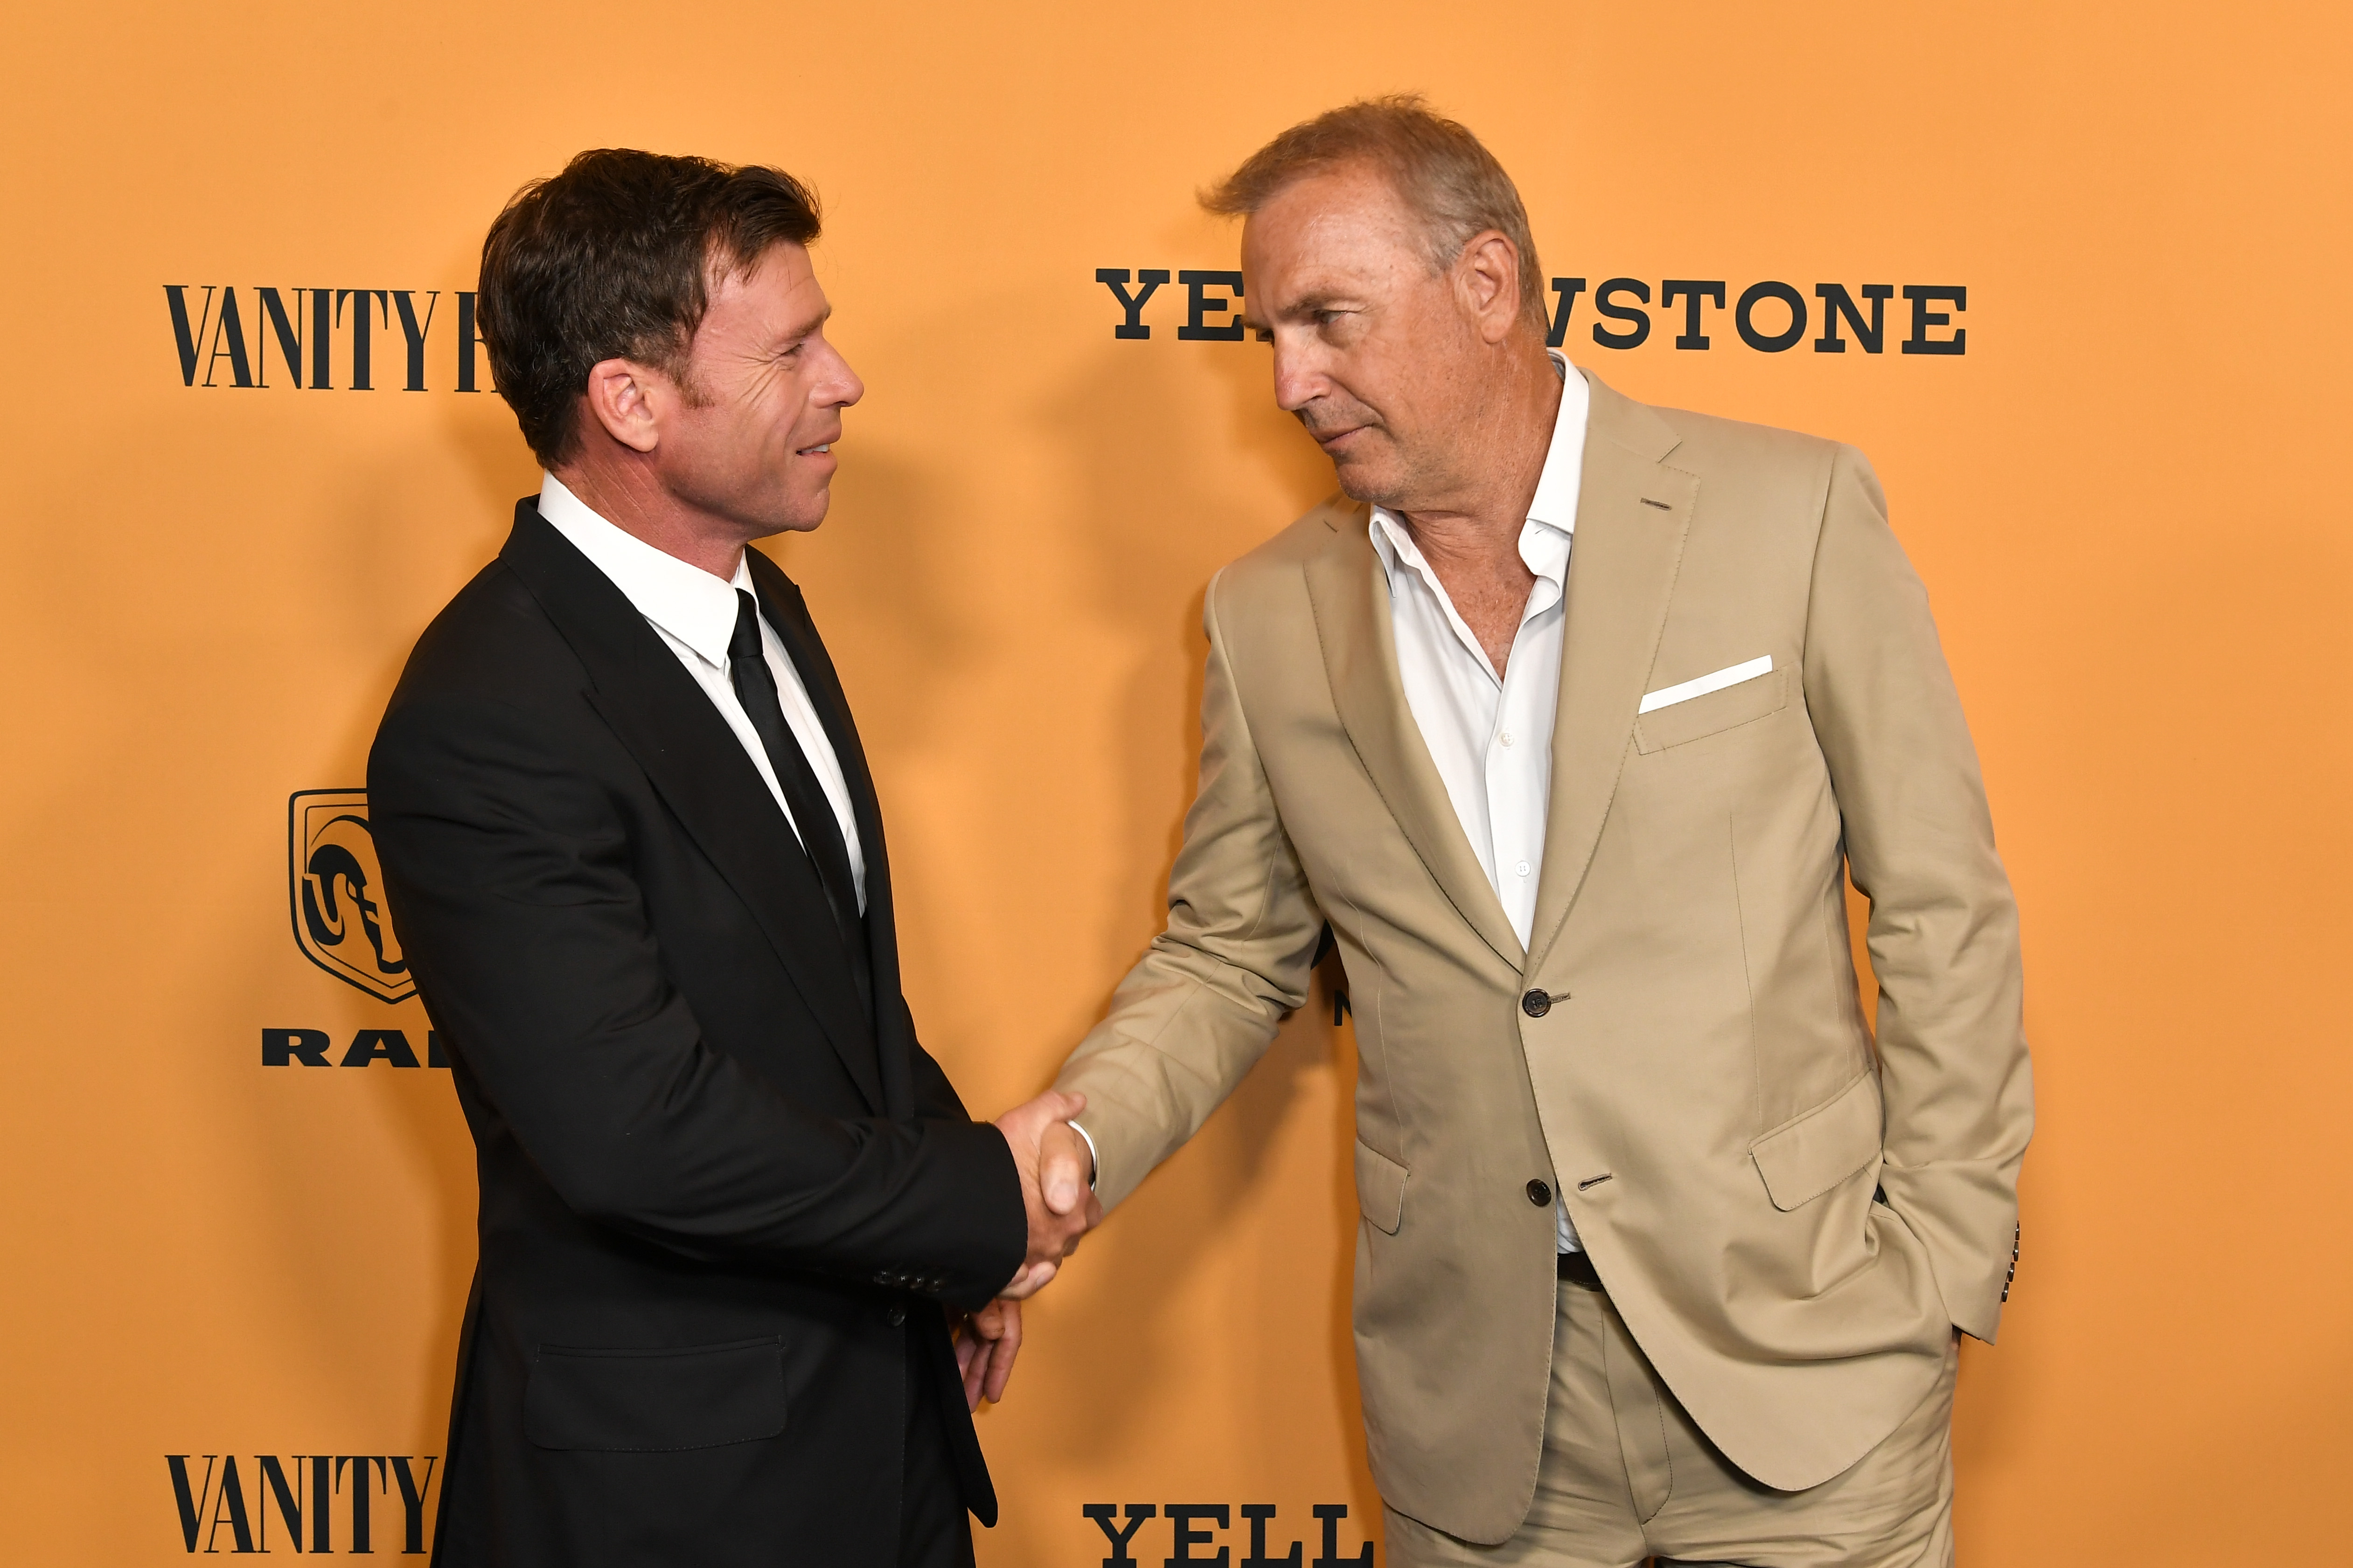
column 1487, row 281
column 621, row 396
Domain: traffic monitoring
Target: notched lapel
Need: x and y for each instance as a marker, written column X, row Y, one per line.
column 1351, row 600
column 1633, row 512
column 694, row 759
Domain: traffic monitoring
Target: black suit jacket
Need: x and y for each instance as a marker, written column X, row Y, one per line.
column 717, row 1196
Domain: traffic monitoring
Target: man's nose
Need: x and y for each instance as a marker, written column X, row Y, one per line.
column 842, row 386
column 1297, row 382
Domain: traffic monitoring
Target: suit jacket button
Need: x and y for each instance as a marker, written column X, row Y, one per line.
column 898, row 1315
column 1538, row 1193
column 1536, row 1003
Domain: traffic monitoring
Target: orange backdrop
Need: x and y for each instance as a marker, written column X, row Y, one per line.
column 2121, row 495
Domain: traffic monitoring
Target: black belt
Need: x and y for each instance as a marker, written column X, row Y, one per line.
column 1578, row 1268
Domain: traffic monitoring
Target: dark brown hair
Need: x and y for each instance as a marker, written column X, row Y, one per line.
column 1446, row 179
column 614, row 259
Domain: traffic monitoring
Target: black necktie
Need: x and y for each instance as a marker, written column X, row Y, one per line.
column 820, row 830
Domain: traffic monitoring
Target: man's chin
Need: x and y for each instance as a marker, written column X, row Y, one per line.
column 1360, row 482
column 802, row 515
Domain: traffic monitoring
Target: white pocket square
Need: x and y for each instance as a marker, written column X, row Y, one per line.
column 1730, row 674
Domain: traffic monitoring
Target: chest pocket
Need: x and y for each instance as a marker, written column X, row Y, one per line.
column 1696, row 718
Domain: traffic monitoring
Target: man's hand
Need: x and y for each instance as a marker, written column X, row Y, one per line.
column 986, row 1343
column 1053, row 1161
column 1066, row 1168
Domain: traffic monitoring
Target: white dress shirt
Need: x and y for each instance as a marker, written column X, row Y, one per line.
column 1491, row 737
column 694, row 613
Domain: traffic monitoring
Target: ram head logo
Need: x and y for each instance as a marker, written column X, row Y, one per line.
column 339, row 921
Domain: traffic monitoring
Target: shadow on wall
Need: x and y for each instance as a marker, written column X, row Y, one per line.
column 433, row 1134
column 492, row 456
column 891, row 608
column 1173, row 472
column 403, row 533
column 1176, row 474
column 405, row 554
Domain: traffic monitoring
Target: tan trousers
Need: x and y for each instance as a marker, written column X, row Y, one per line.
column 1627, row 1477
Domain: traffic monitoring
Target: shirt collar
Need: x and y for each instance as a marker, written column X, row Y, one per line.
column 1564, row 469
column 1552, row 514
column 689, row 603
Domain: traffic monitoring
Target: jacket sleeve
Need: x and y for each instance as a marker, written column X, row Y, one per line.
column 509, row 871
column 1200, row 1007
column 1943, row 933
column 934, row 1094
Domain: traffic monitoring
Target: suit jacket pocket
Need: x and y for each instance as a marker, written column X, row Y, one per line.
column 655, row 1401
column 1682, row 722
column 1380, row 1188
column 1812, row 1152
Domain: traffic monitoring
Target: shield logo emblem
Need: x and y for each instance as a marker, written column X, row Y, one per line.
column 339, row 921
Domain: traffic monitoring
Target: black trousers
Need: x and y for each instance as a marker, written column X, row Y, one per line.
column 934, row 1531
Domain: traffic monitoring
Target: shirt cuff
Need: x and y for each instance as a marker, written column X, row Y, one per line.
column 1094, row 1161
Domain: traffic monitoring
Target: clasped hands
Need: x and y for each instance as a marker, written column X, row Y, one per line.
column 1057, row 1178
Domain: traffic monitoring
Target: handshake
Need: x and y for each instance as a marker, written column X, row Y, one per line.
column 1057, row 1184
column 1057, row 1192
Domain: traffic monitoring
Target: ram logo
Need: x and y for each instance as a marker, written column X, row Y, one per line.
column 337, row 892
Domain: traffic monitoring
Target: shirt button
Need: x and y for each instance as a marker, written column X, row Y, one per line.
column 1506, row 737
column 1522, row 867
column 898, row 1317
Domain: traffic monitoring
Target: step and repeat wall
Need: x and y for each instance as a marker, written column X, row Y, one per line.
column 2068, row 273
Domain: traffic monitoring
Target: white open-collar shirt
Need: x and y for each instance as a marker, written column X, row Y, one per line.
column 1489, row 736
column 694, row 613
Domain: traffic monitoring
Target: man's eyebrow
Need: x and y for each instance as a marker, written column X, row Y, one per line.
column 803, row 328
column 1305, row 306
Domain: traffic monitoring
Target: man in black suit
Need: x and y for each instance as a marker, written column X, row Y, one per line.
column 747, row 1264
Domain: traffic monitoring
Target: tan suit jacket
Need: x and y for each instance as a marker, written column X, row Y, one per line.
column 1701, row 1087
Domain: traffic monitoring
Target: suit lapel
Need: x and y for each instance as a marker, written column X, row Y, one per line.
column 788, row 611
column 1350, row 595
column 695, row 762
column 1632, row 513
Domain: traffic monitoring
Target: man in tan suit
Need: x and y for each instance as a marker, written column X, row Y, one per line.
column 1568, row 721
